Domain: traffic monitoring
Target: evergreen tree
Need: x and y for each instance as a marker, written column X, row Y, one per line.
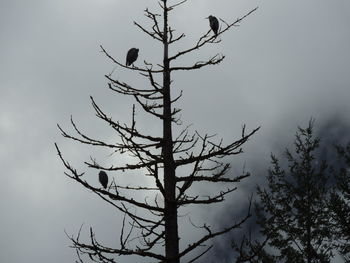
column 340, row 204
column 293, row 212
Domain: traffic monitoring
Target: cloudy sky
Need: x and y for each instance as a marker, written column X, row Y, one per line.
column 287, row 62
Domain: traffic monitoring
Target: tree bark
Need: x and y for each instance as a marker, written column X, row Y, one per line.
column 170, row 215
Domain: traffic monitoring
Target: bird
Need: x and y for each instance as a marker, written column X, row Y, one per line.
column 103, row 178
column 132, row 56
column 214, row 24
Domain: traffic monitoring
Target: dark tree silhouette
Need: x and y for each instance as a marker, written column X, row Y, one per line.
column 292, row 211
column 340, row 204
column 154, row 221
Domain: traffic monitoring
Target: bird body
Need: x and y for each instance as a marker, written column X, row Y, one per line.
column 132, row 55
column 103, row 178
column 214, row 24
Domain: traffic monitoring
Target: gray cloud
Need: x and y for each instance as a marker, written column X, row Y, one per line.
column 285, row 63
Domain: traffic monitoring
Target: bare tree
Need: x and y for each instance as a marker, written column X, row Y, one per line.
column 159, row 157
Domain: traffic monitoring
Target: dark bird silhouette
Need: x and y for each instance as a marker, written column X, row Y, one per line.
column 132, row 55
column 214, row 24
column 103, row 178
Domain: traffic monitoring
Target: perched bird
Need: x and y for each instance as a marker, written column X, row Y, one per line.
column 103, row 178
column 214, row 24
column 132, row 56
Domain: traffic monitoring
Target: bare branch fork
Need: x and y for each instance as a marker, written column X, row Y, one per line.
column 150, row 224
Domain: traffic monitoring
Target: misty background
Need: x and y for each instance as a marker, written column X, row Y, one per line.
column 285, row 63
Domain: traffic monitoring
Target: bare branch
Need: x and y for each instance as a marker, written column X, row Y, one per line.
column 211, row 234
column 95, row 249
column 213, row 61
column 119, row 127
column 205, row 39
column 210, row 200
column 218, row 151
column 131, row 68
column 212, row 179
column 151, row 34
column 177, row 4
column 117, row 196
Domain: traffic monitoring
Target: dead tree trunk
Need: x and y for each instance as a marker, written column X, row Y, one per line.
column 170, row 207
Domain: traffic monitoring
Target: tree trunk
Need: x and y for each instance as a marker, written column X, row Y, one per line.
column 170, row 214
column 308, row 218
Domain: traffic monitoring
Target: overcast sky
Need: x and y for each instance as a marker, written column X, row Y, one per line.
column 287, row 62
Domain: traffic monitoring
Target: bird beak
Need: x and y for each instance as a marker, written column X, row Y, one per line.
column 206, row 17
